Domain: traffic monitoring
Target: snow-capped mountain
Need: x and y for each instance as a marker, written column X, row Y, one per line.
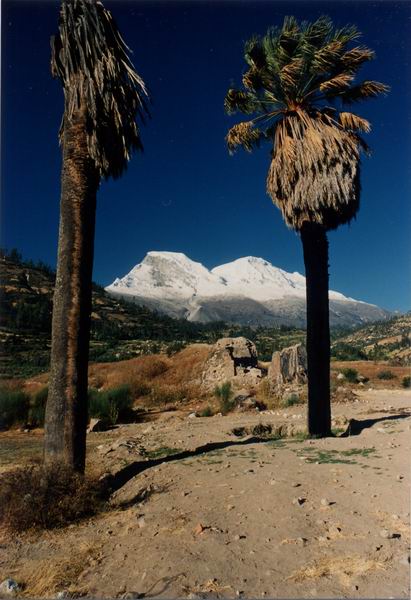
column 249, row 291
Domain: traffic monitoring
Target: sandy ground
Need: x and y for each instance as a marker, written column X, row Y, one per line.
column 288, row 518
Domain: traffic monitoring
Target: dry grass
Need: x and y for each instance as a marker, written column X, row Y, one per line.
column 48, row 576
column 37, row 498
column 156, row 378
column 344, row 568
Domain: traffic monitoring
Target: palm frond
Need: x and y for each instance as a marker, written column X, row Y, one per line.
column 92, row 61
column 363, row 91
column 336, row 84
column 353, row 122
column 236, row 100
column 245, row 135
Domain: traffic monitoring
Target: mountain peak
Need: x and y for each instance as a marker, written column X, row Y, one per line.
column 247, row 290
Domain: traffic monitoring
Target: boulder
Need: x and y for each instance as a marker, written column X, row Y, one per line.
column 234, row 360
column 288, row 366
column 9, row 587
column 97, row 425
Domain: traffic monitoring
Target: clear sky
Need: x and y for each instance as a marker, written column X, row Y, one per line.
column 185, row 193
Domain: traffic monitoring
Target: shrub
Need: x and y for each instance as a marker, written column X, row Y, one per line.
column 112, row 404
column 38, row 408
column 291, row 400
column 224, row 394
column 206, row 412
column 14, row 407
column 175, row 347
column 34, row 497
column 406, row 382
column 351, row 375
column 386, row 375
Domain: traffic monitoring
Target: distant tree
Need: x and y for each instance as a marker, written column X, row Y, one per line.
column 103, row 95
column 299, row 77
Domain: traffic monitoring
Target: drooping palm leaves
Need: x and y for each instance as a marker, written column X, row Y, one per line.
column 298, row 80
column 92, row 61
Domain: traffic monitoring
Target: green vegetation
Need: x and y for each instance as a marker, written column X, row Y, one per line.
column 224, row 394
column 351, row 375
column 38, row 408
column 386, row 375
column 406, row 382
column 14, row 407
column 314, row 455
column 291, row 400
column 206, row 412
column 111, row 405
column 162, row 452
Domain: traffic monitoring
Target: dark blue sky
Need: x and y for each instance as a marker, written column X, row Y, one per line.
column 185, row 193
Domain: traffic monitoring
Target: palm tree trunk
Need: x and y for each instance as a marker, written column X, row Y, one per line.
column 315, row 246
column 66, row 411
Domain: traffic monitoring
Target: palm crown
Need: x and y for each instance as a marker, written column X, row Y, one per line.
column 91, row 59
column 299, row 78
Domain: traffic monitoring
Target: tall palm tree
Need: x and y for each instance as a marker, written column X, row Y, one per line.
column 299, row 78
column 103, row 96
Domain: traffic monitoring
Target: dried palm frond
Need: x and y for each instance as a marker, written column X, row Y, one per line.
column 353, row 122
column 245, row 135
column 322, row 168
column 91, row 59
column 340, row 82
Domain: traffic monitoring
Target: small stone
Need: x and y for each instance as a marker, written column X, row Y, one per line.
column 299, row 501
column 239, row 537
column 249, row 471
column 272, row 482
column 184, row 494
column 199, row 528
column 230, row 506
column 301, row 541
column 325, row 502
column 192, row 415
column 9, row 587
column 388, row 535
column 405, row 560
column 400, row 477
column 141, row 522
column 295, row 485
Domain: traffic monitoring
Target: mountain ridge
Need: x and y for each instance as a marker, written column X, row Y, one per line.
column 249, row 290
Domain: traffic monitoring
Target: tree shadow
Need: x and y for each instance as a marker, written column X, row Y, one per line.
column 355, row 427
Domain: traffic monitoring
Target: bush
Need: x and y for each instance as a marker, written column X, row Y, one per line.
column 224, row 394
column 38, row 498
column 175, row 347
column 386, row 375
column 14, row 407
column 111, row 405
column 37, row 410
column 406, row 382
column 206, row 412
column 291, row 400
column 351, row 375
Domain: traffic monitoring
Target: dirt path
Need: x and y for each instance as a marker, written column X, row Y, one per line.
column 283, row 518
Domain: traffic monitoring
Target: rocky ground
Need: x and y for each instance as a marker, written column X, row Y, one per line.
column 201, row 511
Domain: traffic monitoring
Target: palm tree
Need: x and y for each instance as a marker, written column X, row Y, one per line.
column 298, row 80
column 103, row 96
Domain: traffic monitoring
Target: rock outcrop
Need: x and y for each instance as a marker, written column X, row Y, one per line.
column 288, row 366
column 234, row 360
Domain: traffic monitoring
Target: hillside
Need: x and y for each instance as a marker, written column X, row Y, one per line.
column 388, row 340
column 120, row 329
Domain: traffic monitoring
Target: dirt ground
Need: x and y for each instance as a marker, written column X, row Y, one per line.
column 241, row 517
